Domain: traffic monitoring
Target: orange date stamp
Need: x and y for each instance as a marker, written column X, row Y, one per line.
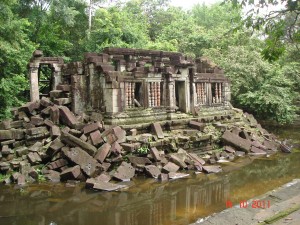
column 255, row 204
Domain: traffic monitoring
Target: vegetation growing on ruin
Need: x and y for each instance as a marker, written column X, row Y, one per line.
column 265, row 72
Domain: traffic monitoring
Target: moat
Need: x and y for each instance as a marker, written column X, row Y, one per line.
column 147, row 201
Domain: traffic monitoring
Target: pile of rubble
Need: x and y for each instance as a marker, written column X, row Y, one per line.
column 45, row 140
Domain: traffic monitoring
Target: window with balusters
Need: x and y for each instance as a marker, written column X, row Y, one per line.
column 216, row 91
column 201, row 93
column 154, row 94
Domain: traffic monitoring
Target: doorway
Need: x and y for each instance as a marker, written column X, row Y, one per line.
column 180, row 95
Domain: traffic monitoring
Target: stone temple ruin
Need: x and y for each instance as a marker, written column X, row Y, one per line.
column 134, row 86
column 124, row 113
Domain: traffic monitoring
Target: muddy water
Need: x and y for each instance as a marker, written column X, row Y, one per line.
column 148, row 202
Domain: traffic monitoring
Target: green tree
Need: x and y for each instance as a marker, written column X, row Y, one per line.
column 15, row 52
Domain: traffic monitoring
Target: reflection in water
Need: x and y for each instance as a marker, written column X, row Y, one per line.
column 147, row 202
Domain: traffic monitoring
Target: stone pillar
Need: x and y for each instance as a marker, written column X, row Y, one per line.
column 171, row 93
column 227, row 93
column 56, row 76
column 34, row 82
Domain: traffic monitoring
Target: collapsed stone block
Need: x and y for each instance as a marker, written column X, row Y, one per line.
column 124, row 172
column 74, row 141
column 103, row 152
column 170, row 167
column 152, row 171
column 96, row 137
column 197, row 125
column 87, row 163
column 92, row 127
column 67, row 117
column 158, row 130
column 236, row 141
column 72, row 173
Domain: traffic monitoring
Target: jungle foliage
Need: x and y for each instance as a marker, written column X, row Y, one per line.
column 263, row 66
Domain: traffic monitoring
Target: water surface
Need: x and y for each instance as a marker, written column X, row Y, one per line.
column 148, row 202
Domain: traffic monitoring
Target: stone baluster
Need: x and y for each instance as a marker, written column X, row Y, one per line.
column 220, row 92
column 149, row 94
column 132, row 94
column 126, row 94
column 152, row 94
column 158, row 93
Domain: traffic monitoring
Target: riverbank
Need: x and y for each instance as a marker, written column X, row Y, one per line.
column 282, row 206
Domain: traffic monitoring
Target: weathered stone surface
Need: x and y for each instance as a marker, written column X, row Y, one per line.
column 36, row 147
column 34, row 158
column 173, row 175
column 30, row 106
column 92, row 127
column 116, row 148
column 5, row 125
column 6, row 134
column 62, row 101
column 179, row 161
column 21, row 180
column 240, row 153
column 96, row 137
column 155, row 154
column 212, row 169
column 54, row 131
column 72, row 173
column 139, row 160
column 33, row 174
column 133, row 132
column 236, row 141
column 37, row 120
column 53, row 176
column 270, row 145
column 103, row 152
column 37, row 131
column 163, row 177
column 152, row 171
column 120, row 134
column 257, row 150
column 229, row 149
column 197, row 125
column 130, row 147
column 54, row 114
column 64, row 87
column 74, row 141
column 257, row 144
column 87, row 163
column 196, row 159
column 6, row 150
column 158, row 130
column 124, row 172
column 67, row 117
column 46, row 102
column 57, row 164
column 55, row 146
column 106, row 186
column 48, row 123
column 4, row 166
column 170, row 167
column 21, row 151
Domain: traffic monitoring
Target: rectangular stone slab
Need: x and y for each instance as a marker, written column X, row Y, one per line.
column 102, row 153
column 158, row 130
column 124, row 172
column 106, row 186
column 67, row 117
column 212, row 169
column 236, row 141
column 74, row 141
column 87, row 163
